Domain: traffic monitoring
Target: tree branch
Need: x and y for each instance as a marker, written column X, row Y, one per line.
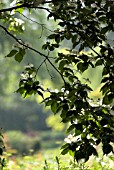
column 13, row 8
column 32, row 49
column 23, row 5
column 80, row 34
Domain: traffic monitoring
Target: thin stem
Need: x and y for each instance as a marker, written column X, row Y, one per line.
column 42, row 25
column 32, row 49
column 39, row 67
column 48, row 70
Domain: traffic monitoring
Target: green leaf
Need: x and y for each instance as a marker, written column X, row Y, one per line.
column 52, row 36
column 105, row 79
column 62, row 64
column 57, row 159
column 62, row 24
column 78, row 126
column 12, row 53
column 104, row 30
column 1, row 151
column 107, row 99
column 105, row 71
column 82, row 66
column 104, row 122
column 20, row 10
column 39, row 87
column 78, row 132
column 56, row 45
column 19, row 57
column 51, row 48
column 66, row 69
column 65, row 146
column 57, row 38
column 22, row 51
column 65, row 151
column 40, row 93
column 21, row 90
column 98, row 141
column 54, row 107
column 48, row 103
column 91, row 150
column 44, row 47
column 36, row 83
column 99, row 62
column 107, row 148
column 70, row 128
column 79, row 155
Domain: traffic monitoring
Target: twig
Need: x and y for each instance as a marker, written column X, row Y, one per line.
column 48, row 70
column 42, row 25
column 13, row 8
column 40, row 66
column 74, row 26
column 32, row 49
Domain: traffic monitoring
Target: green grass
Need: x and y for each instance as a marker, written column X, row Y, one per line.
column 52, row 160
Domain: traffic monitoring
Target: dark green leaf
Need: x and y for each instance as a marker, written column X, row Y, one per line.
column 107, row 100
column 52, row 36
column 21, row 90
column 51, row 48
column 61, row 24
column 22, row 51
column 40, row 93
column 99, row 62
column 98, row 141
column 12, row 53
column 104, row 30
column 65, row 146
column 107, row 148
column 57, row 159
column 82, row 66
column 54, row 107
column 70, row 128
column 65, row 151
column 19, row 57
column 79, row 155
column 103, row 122
column 48, row 103
column 62, row 64
column 1, row 151
column 78, row 126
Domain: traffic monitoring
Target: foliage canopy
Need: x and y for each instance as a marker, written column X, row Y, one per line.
column 84, row 26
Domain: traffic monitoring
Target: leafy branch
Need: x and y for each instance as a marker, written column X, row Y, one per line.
column 32, row 49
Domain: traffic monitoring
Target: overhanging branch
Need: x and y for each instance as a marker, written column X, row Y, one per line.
column 13, row 8
column 24, row 5
column 34, row 50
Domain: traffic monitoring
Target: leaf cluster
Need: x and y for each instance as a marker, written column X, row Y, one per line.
column 28, row 84
column 85, row 25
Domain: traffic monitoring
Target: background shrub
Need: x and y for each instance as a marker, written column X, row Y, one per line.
column 21, row 143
